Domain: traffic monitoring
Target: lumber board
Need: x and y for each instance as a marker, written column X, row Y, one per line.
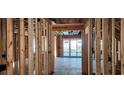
column 90, row 47
column 40, row 47
column 105, row 45
column 36, row 47
column 22, row 47
column 98, row 47
column 4, row 42
column 30, row 46
column 83, row 49
column 113, row 46
column 10, row 55
column 122, row 46
column 46, row 48
column 84, row 52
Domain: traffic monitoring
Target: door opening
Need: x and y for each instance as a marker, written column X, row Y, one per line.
column 72, row 48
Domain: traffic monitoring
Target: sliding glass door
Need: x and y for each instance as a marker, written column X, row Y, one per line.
column 72, row 47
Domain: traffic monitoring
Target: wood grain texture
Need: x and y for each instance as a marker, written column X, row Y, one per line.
column 105, row 45
column 122, row 46
column 22, row 47
column 10, row 55
column 113, row 46
column 98, row 47
column 30, row 46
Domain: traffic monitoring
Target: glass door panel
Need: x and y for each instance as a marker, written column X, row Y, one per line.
column 79, row 46
column 66, row 48
column 73, row 47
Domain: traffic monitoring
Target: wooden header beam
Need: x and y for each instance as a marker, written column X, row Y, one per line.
column 62, row 27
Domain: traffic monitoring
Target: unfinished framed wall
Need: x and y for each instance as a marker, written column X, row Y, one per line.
column 17, row 36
